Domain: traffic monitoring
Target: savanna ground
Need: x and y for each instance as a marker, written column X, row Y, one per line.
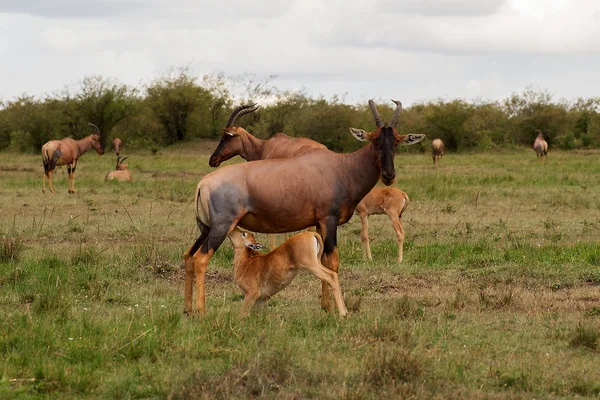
column 498, row 296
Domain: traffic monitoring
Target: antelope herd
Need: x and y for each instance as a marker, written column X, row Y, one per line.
column 289, row 184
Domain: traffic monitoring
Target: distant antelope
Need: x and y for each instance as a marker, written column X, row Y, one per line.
column 121, row 173
column 540, row 146
column 437, row 150
column 237, row 141
column 318, row 188
column 390, row 201
column 117, row 143
column 260, row 276
column 66, row 152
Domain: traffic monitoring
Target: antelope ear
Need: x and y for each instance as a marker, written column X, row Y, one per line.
column 226, row 132
column 411, row 138
column 360, row 134
column 255, row 246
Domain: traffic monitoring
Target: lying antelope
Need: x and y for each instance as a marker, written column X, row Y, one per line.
column 390, row 201
column 121, row 173
column 117, row 145
column 437, row 150
column 237, row 141
column 260, row 276
column 540, row 146
column 318, row 188
column 66, row 152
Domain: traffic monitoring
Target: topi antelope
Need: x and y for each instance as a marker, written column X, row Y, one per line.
column 318, row 188
column 66, row 152
column 237, row 141
column 117, row 143
column 121, row 174
column 437, row 150
column 540, row 146
column 390, row 201
column 260, row 276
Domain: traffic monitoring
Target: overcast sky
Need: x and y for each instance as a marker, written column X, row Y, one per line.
column 412, row 50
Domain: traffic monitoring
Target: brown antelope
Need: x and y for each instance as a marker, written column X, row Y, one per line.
column 260, row 276
column 237, row 141
column 117, row 145
column 66, row 152
column 437, row 150
column 121, row 173
column 380, row 200
column 540, row 146
column 318, row 188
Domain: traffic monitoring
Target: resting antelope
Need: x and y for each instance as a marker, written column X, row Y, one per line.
column 540, row 146
column 318, row 188
column 237, row 141
column 389, row 201
column 66, row 152
column 117, row 145
column 121, row 174
column 437, row 150
column 260, row 276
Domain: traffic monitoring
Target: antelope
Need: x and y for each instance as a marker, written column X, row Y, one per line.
column 540, row 146
column 437, row 150
column 121, row 173
column 390, row 201
column 318, row 188
column 66, row 152
column 117, row 145
column 237, row 141
column 260, row 276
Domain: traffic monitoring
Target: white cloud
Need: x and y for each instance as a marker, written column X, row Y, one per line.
column 407, row 49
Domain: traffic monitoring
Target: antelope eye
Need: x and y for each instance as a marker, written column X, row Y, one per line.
column 244, row 234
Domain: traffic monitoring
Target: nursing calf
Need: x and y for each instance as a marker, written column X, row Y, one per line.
column 260, row 276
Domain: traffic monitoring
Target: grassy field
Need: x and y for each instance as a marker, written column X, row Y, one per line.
column 498, row 296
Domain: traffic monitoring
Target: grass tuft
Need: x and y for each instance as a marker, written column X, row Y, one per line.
column 11, row 249
column 586, row 336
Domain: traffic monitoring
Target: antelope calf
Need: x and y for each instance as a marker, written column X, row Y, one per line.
column 390, row 201
column 260, row 276
column 66, row 152
column 121, row 174
column 541, row 146
column 437, row 150
column 117, row 143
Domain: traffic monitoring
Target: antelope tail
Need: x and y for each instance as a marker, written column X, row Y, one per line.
column 50, row 158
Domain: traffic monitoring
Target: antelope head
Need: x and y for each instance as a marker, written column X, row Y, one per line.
column 540, row 134
column 120, row 165
column 96, row 139
column 231, row 143
column 385, row 139
column 242, row 239
column 117, row 145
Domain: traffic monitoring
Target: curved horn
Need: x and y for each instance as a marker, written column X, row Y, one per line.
column 238, row 112
column 396, row 113
column 95, row 128
column 123, row 159
column 376, row 115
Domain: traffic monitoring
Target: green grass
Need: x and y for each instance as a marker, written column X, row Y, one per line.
column 498, row 296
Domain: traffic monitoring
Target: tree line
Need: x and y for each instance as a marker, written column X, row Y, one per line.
column 180, row 106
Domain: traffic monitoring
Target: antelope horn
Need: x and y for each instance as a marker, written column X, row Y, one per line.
column 239, row 111
column 376, row 115
column 396, row 113
column 95, row 128
column 123, row 159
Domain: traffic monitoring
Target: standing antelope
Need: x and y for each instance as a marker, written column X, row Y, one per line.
column 121, row 173
column 437, row 150
column 540, row 146
column 66, row 152
column 260, row 276
column 117, row 145
column 237, row 141
column 318, row 188
column 389, row 201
